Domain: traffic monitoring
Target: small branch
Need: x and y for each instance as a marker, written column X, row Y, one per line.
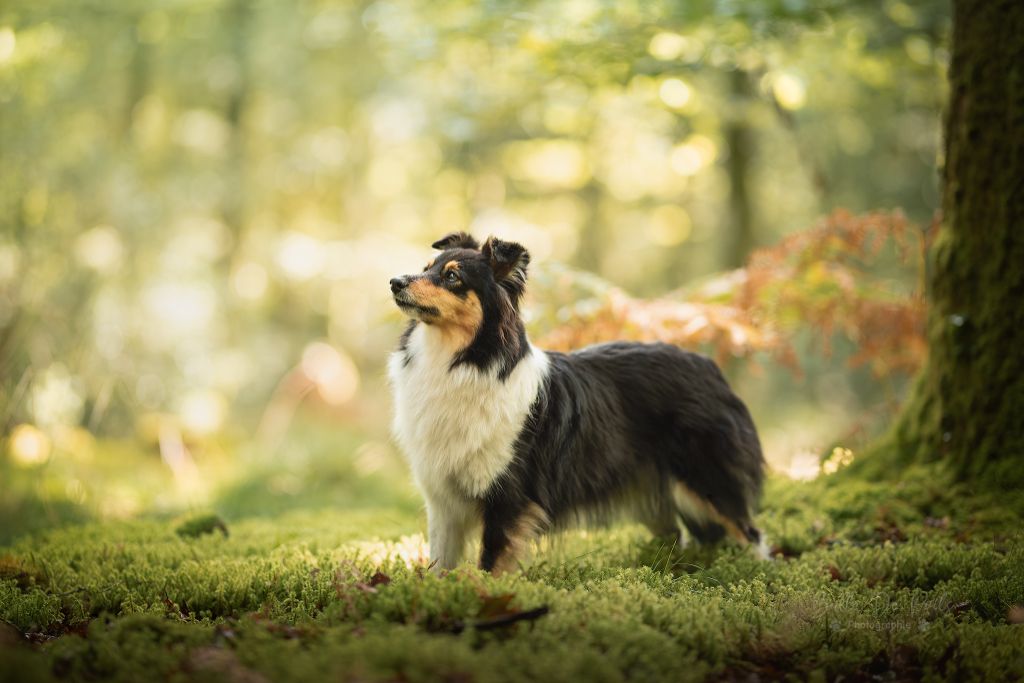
column 503, row 620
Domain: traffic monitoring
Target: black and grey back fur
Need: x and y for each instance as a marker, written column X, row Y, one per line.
column 647, row 426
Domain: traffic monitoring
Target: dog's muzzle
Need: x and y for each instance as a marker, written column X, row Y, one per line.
column 399, row 283
column 400, row 291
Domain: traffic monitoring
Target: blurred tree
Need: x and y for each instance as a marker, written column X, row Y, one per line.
column 969, row 400
column 739, row 139
column 239, row 12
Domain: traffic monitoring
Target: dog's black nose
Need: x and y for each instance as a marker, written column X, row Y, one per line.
column 397, row 284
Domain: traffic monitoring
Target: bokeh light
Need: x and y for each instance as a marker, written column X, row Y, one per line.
column 28, row 445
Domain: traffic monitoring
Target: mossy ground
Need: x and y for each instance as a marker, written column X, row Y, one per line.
column 907, row 579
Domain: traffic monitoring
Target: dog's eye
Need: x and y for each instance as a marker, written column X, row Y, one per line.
column 451, row 277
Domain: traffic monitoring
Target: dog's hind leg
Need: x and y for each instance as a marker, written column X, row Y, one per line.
column 708, row 524
column 718, row 472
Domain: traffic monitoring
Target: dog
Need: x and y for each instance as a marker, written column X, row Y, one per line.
column 523, row 441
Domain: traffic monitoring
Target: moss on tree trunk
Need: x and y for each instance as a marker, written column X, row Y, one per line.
column 968, row 405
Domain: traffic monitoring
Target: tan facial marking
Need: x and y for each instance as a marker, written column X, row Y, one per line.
column 695, row 505
column 457, row 319
column 531, row 523
column 451, row 265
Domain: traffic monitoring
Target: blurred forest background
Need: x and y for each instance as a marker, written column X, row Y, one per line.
column 202, row 201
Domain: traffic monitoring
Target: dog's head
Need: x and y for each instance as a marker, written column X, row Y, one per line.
column 465, row 284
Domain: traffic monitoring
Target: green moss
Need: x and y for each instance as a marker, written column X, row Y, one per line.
column 327, row 595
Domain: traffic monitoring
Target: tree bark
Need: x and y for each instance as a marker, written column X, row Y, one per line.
column 968, row 405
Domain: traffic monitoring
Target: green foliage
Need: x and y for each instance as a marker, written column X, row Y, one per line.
column 327, row 595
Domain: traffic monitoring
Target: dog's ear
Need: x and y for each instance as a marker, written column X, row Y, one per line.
column 508, row 262
column 456, row 240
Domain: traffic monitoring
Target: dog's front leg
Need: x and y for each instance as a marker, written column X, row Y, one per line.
column 448, row 523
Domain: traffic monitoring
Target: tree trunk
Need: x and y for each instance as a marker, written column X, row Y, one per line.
column 968, row 405
column 235, row 199
column 740, row 140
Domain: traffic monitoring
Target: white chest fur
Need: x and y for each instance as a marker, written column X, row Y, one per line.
column 458, row 426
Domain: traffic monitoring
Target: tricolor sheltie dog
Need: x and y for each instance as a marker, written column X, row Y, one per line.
column 523, row 441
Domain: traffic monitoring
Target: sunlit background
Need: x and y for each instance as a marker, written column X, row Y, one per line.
column 202, row 201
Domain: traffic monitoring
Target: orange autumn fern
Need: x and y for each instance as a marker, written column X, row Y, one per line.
column 825, row 279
